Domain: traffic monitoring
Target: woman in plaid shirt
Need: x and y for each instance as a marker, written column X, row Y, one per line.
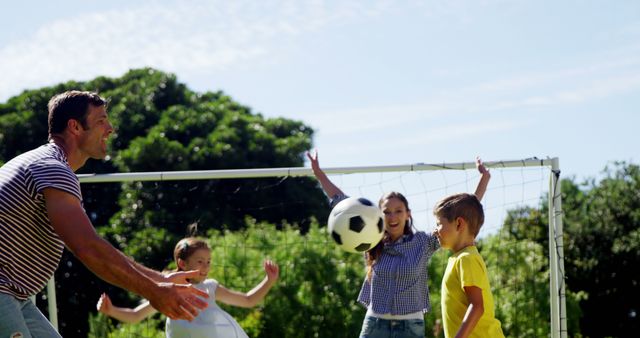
column 395, row 290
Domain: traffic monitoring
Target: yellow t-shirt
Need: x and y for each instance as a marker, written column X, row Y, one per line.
column 466, row 268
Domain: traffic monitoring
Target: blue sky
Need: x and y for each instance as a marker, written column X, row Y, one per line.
column 382, row 82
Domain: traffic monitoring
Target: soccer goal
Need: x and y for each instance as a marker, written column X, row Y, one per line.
column 526, row 273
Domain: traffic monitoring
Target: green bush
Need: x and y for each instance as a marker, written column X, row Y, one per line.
column 101, row 326
column 319, row 284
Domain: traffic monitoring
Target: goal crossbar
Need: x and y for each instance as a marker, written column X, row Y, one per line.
column 556, row 255
column 297, row 171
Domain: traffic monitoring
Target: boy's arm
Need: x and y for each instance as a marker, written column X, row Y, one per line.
column 474, row 311
column 253, row 297
column 122, row 314
column 484, row 179
column 329, row 188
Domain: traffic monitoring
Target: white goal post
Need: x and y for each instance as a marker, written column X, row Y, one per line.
column 556, row 254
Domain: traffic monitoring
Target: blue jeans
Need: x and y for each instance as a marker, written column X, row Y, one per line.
column 22, row 319
column 373, row 327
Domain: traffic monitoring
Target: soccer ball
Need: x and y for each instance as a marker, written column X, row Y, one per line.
column 356, row 224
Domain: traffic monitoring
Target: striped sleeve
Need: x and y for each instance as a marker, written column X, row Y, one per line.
column 51, row 173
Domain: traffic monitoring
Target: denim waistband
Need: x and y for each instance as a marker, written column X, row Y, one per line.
column 392, row 323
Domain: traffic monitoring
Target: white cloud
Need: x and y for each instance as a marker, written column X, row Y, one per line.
column 341, row 123
column 415, row 135
column 468, row 130
column 373, row 118
column 184, row 36
column 205, row 36
column 624, row 60
column 567, row 86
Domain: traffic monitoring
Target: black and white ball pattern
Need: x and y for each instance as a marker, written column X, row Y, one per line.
column 355, row 224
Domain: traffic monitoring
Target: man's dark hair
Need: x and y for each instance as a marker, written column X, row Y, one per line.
column 73, row 104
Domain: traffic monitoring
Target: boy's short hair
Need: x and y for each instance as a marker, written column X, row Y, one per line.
column 462, row 205
column 73, row 104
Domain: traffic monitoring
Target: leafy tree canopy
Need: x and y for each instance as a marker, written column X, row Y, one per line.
column 161, row 125
column 601, row 247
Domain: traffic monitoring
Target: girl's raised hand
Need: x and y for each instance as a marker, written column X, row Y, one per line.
column 104, row 304
column 272, row 270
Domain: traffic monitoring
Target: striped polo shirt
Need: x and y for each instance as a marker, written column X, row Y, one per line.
column 398, row 284
column 30, row 250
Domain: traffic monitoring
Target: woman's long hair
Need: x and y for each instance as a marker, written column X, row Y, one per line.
column 373, row 254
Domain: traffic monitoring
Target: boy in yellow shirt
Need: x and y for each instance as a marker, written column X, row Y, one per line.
column 467, row 303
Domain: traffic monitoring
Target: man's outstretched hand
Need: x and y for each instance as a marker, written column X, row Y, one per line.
column 178, row 301
column 181, row 277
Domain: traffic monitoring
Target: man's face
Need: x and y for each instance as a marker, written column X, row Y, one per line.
column 93, row 139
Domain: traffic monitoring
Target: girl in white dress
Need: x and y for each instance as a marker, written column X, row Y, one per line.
column 194, row 254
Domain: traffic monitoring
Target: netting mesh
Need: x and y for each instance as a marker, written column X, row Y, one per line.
column 248, row 220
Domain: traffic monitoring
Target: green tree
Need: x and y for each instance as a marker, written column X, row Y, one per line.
column 161, row 125
column 519, row 277
column 314, row 297
column 319, row 284
column 601, row 249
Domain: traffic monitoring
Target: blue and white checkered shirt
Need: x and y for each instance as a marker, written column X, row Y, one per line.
column 398, row 282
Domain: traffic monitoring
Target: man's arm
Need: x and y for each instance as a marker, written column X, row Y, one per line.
column 150, row 273
column 178, row 277
column 72, row 225
column 474, row 311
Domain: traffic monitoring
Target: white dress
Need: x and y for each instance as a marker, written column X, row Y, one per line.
column 213, row 322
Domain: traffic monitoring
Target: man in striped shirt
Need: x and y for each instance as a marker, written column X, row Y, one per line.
column 41, row 212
